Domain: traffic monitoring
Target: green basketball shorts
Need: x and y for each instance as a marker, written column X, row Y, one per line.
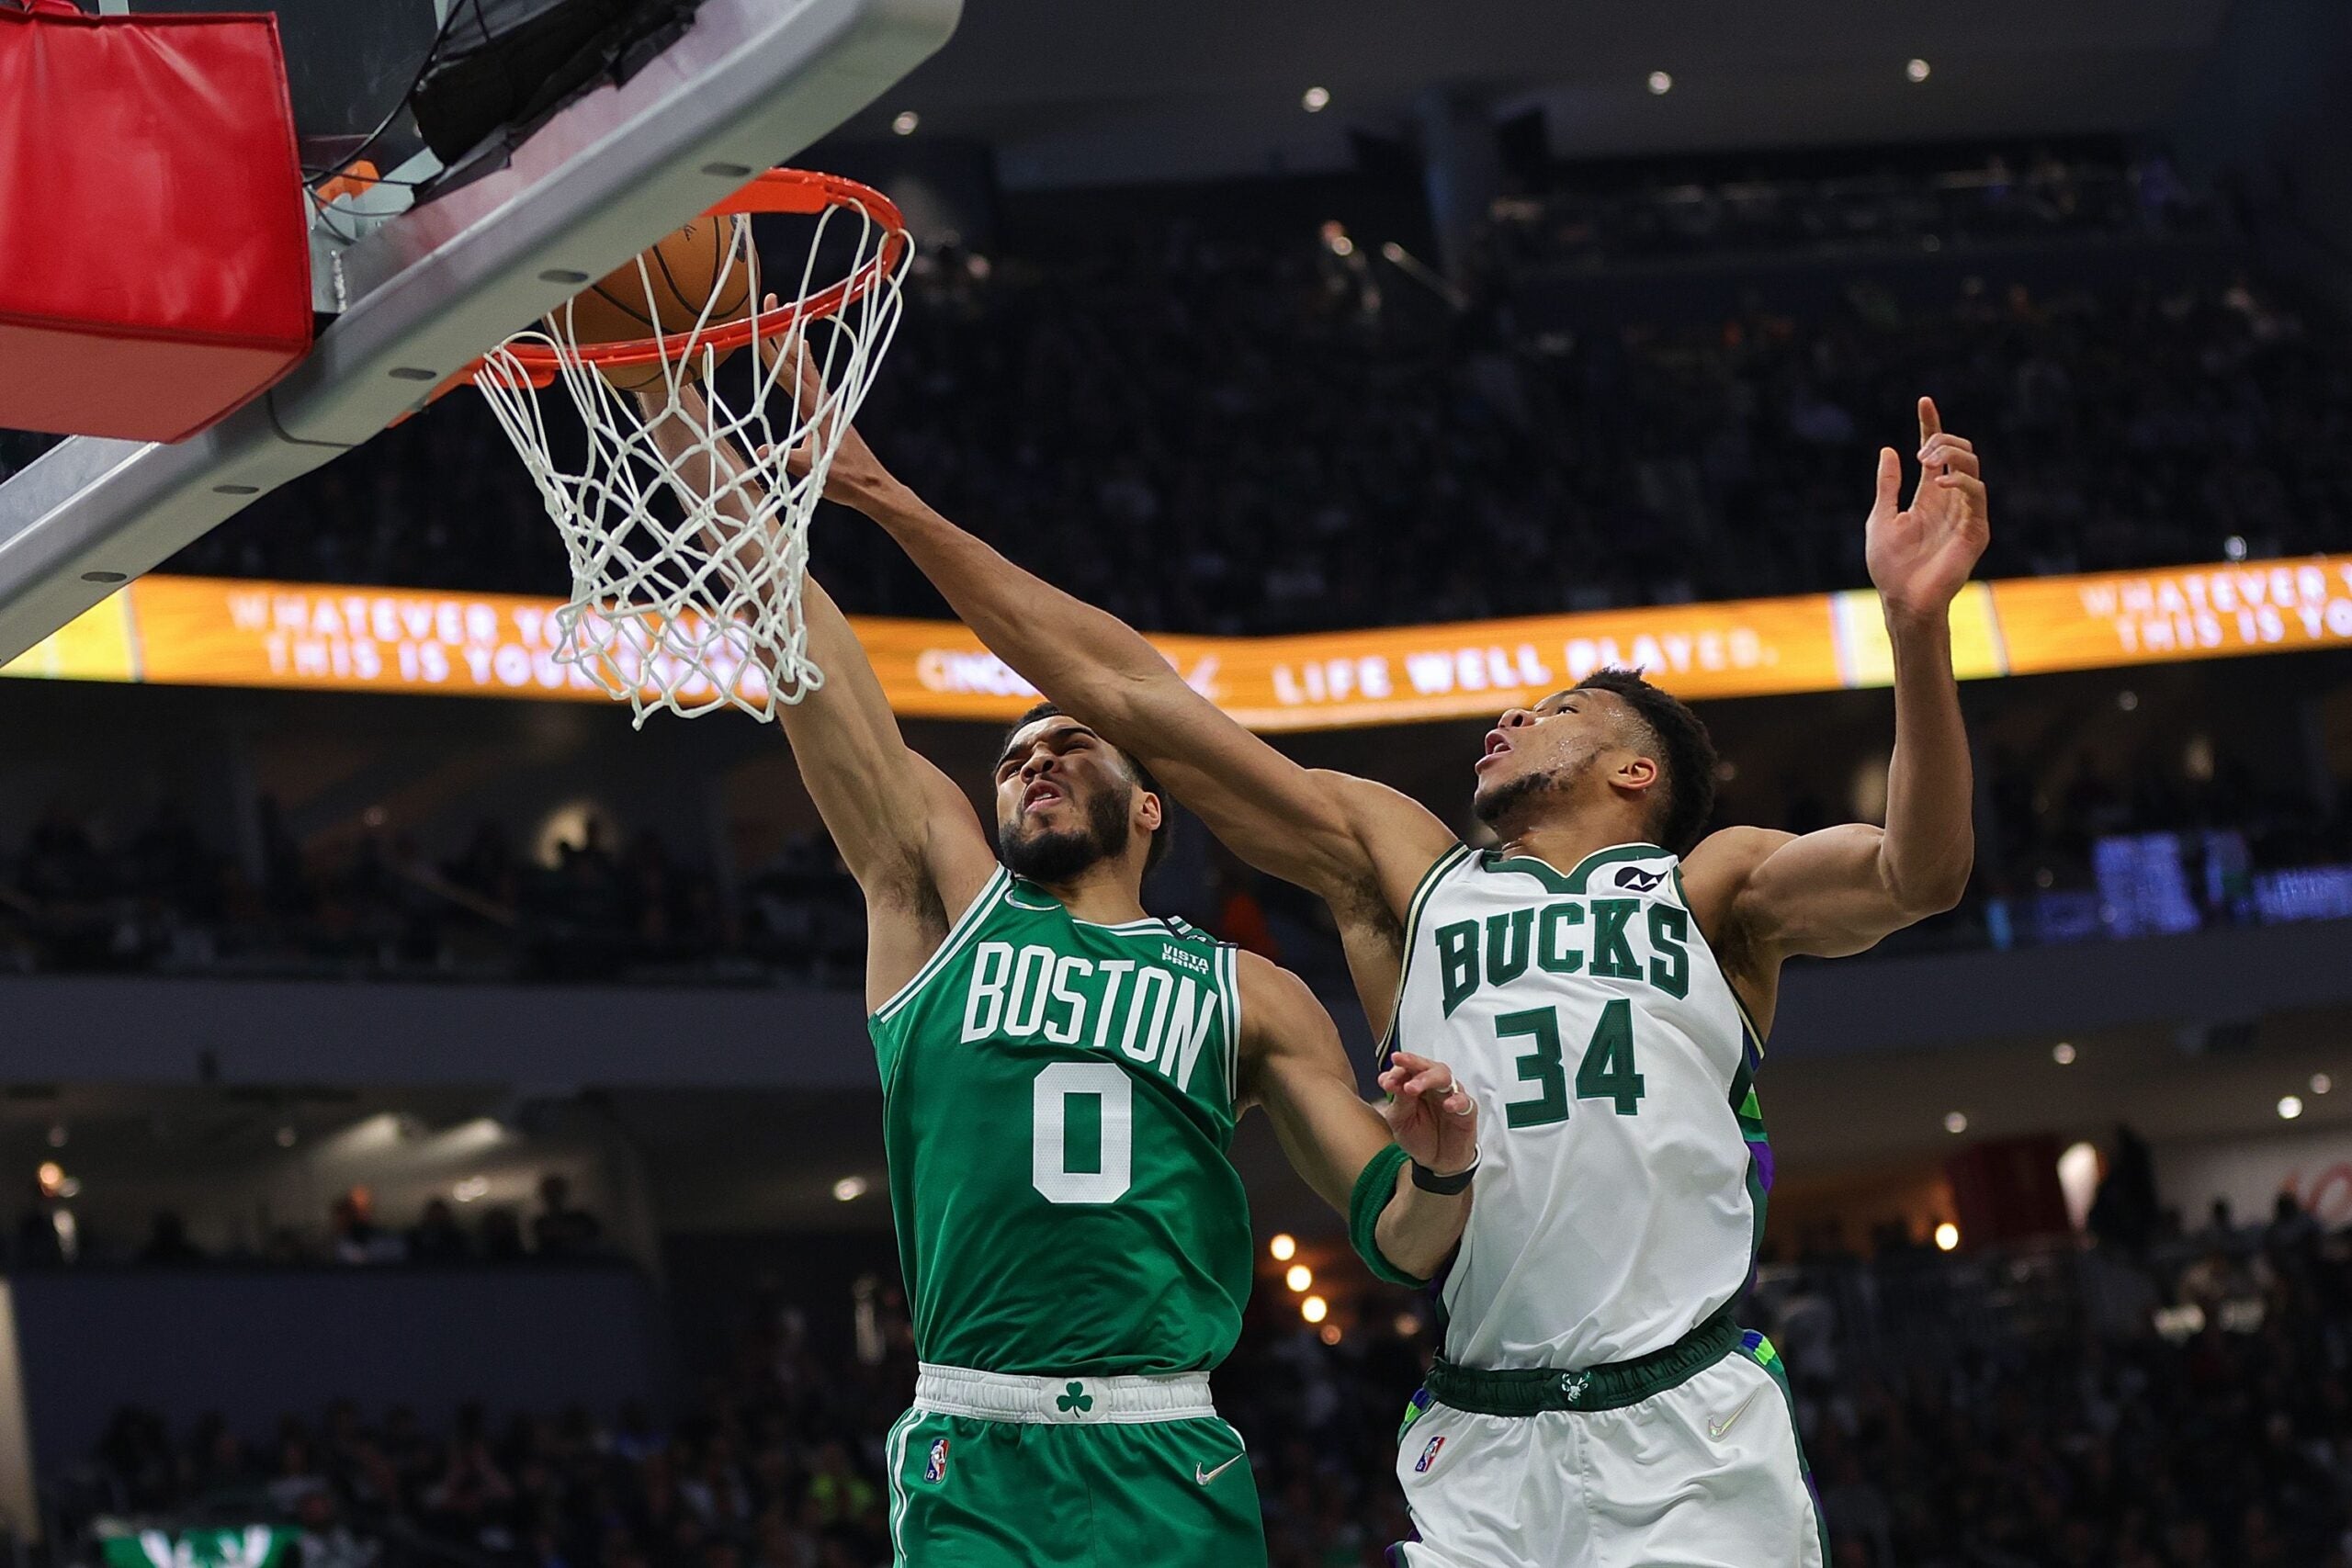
column 991, row 1471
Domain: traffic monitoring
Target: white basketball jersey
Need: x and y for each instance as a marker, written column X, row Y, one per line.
column 1622, row 1163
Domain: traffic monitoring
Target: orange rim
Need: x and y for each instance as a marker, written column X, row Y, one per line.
column 797, row 191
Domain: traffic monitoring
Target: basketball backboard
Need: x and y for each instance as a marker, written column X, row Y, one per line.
column 417, row 292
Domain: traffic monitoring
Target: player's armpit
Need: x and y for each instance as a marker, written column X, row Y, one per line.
column 915, row 890
column 1294, row 1065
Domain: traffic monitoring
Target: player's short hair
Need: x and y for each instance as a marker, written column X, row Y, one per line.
column 1164, row 837
column 1687, row 756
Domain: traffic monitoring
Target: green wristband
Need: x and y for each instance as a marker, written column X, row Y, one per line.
column 1374, row 1189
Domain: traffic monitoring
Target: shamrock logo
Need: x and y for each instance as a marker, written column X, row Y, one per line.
column 1075, row 1399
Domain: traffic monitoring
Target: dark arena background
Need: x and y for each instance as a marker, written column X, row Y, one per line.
column 439, row 1126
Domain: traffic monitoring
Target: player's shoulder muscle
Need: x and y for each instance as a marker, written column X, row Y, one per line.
column 1716, row 874
column 1268, row 988
column 1281, row 1013
column 1716, row 880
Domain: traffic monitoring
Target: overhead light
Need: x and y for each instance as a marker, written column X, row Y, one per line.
column 471, row 1189
column 2063, row 1054
column 1917, row 71
column 905, row 122
column 1330, row 1335
column 1407, row 1323
column 1299, row 1277
column 1946, row 1238
column 1315, row 1309
column 849, row 1189
column 1284, row 1247
column 2322, row 1083
column 1955, row 1121
column 2235, row 547
column 1661, row 83
column 2289, row 1107
column 57, row 1136
column 52, row 1177
column 1315, row 100
column 2128, row 701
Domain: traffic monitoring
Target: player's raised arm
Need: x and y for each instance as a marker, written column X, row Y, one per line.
column 1359, row 845
column 1840, row 890
column 907, row 833
column 1405, row 1222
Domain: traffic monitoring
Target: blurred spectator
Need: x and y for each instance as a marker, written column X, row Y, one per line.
column 559, row 1230
column 438, row 1237
column 2123, row 1212
column 327, row 1541
column 46, row 1234
column 501, row 1236
column 355, row 1237
column 167, row 1242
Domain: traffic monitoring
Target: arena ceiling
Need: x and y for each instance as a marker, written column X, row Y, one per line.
column 1074, row 92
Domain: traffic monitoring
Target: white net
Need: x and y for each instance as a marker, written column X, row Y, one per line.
column 686, row 521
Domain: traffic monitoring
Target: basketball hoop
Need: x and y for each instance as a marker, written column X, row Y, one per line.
column 687, row 571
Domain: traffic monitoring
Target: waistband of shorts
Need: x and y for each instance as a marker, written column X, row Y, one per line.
column 1530, row 1391
column 1062, row 1401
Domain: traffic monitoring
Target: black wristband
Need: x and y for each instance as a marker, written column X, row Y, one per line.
column 1429, row 1180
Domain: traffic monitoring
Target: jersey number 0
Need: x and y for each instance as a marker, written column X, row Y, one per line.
column 1082, row 1132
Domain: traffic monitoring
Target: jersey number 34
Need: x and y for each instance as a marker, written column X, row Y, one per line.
column 1606, row 1071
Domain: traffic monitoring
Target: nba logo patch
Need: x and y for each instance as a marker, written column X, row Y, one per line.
column 1428, row 1457
column 935, row 1470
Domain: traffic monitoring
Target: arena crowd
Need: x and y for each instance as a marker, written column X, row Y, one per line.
column 2160, row 1400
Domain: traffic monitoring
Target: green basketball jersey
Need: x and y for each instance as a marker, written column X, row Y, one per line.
column 1059, row 1100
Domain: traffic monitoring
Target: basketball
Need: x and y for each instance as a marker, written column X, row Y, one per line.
column 681, row 275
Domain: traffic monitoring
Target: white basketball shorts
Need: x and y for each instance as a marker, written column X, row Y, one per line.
column 1706, row 1474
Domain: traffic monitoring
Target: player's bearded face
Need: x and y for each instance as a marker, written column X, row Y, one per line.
column 1032, row 848
column 1503, row 801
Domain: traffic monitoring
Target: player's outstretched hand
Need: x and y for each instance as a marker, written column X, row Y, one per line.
column 1432, row 1117
column 855, row 471
column 1919, row 559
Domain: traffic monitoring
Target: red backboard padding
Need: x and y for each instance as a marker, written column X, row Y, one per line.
column 154, row 251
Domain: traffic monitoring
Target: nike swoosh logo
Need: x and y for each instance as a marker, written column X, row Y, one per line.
column 1717, row 1428
column 1205, row 1476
